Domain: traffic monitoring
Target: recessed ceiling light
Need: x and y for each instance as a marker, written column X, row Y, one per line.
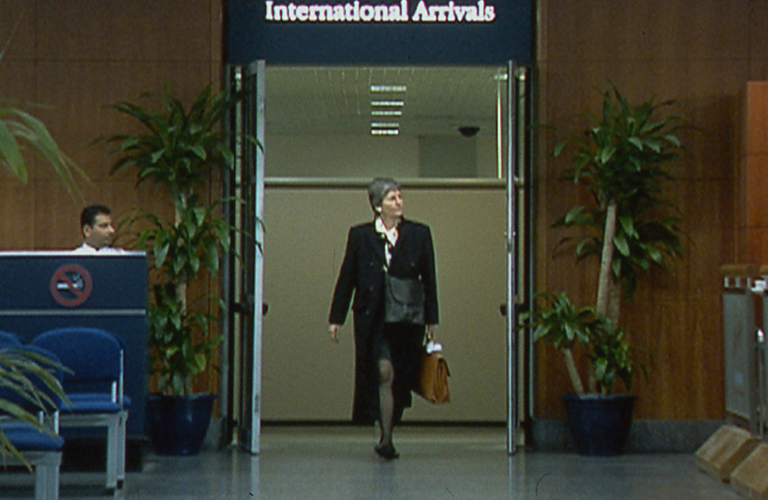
column 386, row 112
column 385, row 124
column 385, row 131
column 380, row 89
column 388, row 103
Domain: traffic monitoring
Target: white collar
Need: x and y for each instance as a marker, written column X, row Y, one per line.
column 86, row 248
column 390, row 234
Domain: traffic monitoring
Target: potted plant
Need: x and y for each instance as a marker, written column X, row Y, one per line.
column 621, row 160
column 600, row 420
column 179, row 149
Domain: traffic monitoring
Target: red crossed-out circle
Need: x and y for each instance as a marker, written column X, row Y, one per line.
column 71, row 285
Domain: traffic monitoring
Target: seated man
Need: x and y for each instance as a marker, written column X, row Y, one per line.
column 98, row 231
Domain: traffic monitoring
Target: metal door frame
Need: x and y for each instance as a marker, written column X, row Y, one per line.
column 509, row 142
column 248, row 181
column 515, row 144
column 242, row 283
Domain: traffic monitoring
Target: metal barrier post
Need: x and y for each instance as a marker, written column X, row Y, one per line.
column 740, row 342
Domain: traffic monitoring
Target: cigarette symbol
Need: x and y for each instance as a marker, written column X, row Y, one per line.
column 71, row 285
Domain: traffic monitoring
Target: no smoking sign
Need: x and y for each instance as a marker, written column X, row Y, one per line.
column 71, row 285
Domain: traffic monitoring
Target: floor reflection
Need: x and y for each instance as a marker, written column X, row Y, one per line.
column 436, row 463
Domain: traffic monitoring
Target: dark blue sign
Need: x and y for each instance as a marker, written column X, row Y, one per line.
column 401, row 32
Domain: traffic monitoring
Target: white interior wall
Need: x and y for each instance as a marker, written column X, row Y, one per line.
column 306, row 377
column 344, row 156
column 361, row 156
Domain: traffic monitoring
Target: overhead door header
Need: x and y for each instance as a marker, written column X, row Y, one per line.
column 461, row 32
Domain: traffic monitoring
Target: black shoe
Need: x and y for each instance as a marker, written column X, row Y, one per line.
column 386, row 451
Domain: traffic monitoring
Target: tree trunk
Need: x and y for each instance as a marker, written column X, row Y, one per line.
column 614, row 301
column 605, row 280
column 606, row 260
column 573, row 372
column 181, row 285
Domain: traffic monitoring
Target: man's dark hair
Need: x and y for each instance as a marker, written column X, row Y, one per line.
column 89, row 213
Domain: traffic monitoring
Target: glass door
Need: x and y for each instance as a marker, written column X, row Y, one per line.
column 240, row 401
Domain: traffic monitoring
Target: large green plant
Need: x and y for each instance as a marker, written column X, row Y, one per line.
column 179, row 148
column 622, row 160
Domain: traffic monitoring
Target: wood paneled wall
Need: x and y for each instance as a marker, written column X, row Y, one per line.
column 73, row 58
column 701, row 53
column 753, row 181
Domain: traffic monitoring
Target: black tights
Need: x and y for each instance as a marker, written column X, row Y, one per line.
column 386, row 400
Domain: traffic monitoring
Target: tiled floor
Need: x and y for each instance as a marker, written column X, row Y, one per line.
column 436, row 463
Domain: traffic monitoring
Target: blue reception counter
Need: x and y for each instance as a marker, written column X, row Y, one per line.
column 44, row 290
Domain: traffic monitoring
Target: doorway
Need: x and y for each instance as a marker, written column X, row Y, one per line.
column 328, row 131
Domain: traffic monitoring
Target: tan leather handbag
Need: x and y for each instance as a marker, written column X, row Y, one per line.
column 432, row 383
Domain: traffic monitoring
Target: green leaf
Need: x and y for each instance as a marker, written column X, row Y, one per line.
column 199, row 150
column 621, row 245
column 655, row 255
column 161, row 253
column 10, row 153
column 627, row 224
column 606, row 154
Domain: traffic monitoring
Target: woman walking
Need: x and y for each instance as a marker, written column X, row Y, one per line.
column 386, row 354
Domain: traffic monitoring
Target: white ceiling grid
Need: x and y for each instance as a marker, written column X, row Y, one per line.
column 336, row 100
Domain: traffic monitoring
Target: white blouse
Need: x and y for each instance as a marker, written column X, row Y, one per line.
column 390, row 237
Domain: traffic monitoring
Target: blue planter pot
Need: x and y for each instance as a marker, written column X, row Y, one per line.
column 599, row 425
column 177, row 424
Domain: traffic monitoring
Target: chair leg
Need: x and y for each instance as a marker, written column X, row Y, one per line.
column 41, row 482
column 112, row 452
column 47, row 478
column 116, row 436
column 121, row 439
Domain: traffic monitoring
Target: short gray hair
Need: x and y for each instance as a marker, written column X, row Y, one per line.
column 379, row 188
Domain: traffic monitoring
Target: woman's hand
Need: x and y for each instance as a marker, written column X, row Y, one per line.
column 333, row 329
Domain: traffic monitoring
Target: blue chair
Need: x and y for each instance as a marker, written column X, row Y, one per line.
column 8, row 339
column 40, row 449
column 94, row 387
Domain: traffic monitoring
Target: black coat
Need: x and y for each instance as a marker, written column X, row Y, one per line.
column 362, row 274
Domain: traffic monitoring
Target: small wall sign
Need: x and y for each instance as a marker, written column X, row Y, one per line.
column 71, row 285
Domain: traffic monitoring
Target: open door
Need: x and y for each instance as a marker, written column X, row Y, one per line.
column 509, row 143
column 514, row 145
column 240, row 403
